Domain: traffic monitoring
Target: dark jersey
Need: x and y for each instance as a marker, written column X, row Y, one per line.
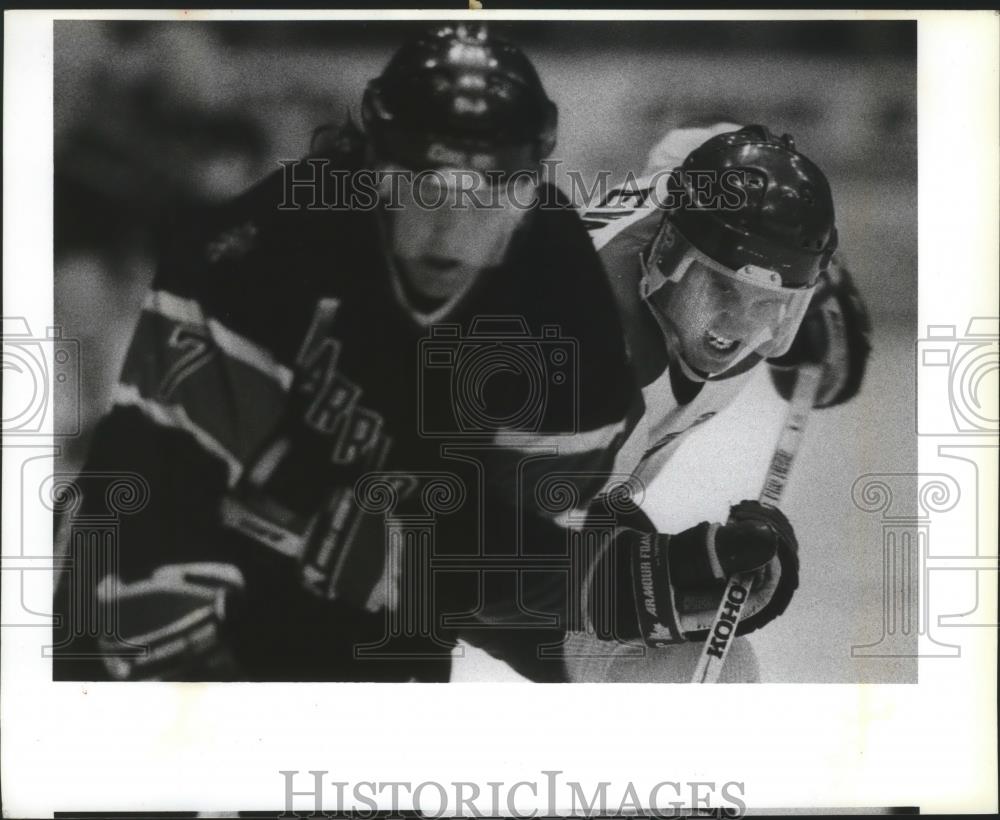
column 382, row 483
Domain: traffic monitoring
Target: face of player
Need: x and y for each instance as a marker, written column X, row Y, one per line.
column 718, row 320
column 451, row 225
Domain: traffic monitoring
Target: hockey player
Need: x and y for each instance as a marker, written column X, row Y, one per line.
column 762, row 191
column 319, row 408
column 718, row 266
column 739, row 270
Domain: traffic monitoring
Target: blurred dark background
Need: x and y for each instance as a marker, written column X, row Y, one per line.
column 153, row 119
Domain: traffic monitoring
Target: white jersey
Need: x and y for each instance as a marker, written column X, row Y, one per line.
column 621, row 227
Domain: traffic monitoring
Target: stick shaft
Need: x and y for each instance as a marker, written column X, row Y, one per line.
column 723, row 629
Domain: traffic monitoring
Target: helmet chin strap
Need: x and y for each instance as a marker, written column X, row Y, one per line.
column 688, row 371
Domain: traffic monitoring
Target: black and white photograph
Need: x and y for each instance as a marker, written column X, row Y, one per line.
column 384, row 348
column 400, row 335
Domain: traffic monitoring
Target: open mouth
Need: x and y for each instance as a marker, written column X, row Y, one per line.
column 438, row 264
column 720, row 344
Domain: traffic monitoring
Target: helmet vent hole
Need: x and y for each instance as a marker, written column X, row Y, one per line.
column 501, row 87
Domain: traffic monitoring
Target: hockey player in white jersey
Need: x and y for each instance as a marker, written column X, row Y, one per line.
column 719, row 265
column 721, row 258
column 715, row 342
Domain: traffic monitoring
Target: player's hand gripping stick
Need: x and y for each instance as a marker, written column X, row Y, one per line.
column 723, row 630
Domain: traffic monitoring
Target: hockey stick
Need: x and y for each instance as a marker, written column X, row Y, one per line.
column 723, row 630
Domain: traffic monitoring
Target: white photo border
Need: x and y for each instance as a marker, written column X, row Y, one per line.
column 172, row 746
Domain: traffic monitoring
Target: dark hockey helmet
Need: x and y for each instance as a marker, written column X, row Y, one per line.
column 785, row 219
column 456, row 96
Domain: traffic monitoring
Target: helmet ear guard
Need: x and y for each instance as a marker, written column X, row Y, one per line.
column 549, row 130
column 374, row 114
column 831, row 249
column 662, row 256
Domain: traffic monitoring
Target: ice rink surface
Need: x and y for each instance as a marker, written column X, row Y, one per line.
column 840, row 601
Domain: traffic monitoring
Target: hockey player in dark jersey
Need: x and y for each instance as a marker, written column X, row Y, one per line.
column 328, row 450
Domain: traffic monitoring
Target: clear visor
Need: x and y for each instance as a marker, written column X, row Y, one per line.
column 749, row 304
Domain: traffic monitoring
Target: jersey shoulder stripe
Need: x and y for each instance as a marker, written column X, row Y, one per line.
column 195, row 374
column 183, row 311
column 175, row 417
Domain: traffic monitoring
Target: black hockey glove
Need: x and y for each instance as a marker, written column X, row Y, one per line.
column 171, row 625
column 835, row 333
column 678, row 580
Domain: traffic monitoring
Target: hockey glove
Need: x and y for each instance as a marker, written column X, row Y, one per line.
column 172, row 622
column 678, row 580
column 835, row 333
